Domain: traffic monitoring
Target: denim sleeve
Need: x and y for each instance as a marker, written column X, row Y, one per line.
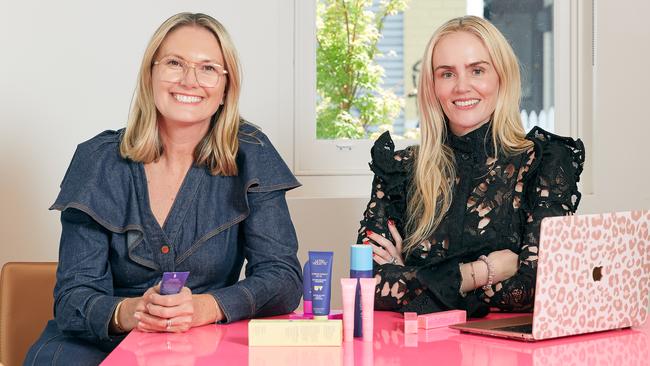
column 273, row 283
column 83, row 295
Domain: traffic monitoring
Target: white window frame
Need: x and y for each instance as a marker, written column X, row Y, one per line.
column 337, row 167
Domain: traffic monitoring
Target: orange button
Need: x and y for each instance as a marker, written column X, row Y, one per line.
column 164, row 249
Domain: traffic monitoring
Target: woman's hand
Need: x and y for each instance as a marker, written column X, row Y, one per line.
column 165, row 313
column 386, row 251
column 505, row 263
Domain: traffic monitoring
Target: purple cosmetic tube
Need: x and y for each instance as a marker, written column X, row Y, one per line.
column 172, row 282
column 306, row 290
column 360, row 267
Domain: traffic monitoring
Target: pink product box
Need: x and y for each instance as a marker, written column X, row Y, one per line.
column 442, row 319
column 410, row 323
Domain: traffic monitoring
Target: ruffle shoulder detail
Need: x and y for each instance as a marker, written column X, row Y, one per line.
column 394, row 170
column 558, row 163
column 260, row 165
column 99, row 179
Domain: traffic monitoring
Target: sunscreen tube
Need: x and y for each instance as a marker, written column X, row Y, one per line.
column 360, row 267
column 306, row 290
column 367, row 306
column 348, row 290
column 173, row 282
column 320, row 266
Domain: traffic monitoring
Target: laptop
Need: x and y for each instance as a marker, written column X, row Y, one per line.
column 627, row 347
column 593, row 274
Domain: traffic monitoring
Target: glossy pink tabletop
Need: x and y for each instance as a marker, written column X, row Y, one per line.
column 228, row 345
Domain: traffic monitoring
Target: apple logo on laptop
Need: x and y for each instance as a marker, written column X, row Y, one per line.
column 597, row 273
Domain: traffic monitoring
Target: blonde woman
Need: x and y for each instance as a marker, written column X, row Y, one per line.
column 455, row 221
column 187, row 186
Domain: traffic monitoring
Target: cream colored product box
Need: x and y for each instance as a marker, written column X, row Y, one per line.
column 287, row 332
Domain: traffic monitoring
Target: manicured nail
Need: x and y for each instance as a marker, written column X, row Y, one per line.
column 369, row 232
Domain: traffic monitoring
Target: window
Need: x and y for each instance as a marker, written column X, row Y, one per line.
column 540, row 32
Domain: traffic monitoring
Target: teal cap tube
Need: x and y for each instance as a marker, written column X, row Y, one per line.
column 320, row 266
column 360, row 267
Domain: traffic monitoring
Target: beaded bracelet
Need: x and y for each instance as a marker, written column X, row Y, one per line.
column 490, row 267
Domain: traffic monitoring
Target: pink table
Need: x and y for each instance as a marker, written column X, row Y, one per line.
column 228, row 345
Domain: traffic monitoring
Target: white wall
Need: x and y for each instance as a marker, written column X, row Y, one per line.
column 67, row 72
column 68, row 69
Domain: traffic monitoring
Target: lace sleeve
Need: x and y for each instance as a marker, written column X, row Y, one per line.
column 552, row 191
column 389, row 188
column 427, row 283
column 396, row 284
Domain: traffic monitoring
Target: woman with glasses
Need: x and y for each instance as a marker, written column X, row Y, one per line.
column 188, row 185
column 455, row 221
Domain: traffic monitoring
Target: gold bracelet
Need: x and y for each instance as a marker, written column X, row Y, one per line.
column 116, row 321
column 471, row 264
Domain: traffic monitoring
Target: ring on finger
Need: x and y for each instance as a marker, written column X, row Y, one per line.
column 169, row 324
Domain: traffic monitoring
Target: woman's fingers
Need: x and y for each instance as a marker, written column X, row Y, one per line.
column 396, row 236
column 151, row 323
column 165, row 313
column 378, row 259
column 388, row 252
column 383, row 242
column 381, row 253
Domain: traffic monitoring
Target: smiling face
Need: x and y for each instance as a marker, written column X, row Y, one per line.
column 465, row 81
column 185, row 101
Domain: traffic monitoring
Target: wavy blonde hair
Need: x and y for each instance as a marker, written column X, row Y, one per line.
column 434, row 167
column 218, row 148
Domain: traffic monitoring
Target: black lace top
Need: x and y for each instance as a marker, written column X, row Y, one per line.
column 495, row 205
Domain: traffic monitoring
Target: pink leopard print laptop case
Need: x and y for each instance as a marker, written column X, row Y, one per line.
column 593, row 273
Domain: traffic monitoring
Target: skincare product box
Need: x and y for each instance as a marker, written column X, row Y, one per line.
column 410, row 322
column 442, row 319
column 285, row 332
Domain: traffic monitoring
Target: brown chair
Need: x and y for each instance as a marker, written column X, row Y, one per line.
column 26, row 301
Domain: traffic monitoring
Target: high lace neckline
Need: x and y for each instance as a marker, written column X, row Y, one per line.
column 479, row 140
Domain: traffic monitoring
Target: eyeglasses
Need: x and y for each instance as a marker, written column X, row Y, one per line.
column 173, row 69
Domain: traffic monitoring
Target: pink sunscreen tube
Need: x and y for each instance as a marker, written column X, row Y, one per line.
column 442, row 319
column 348, row 292
column 173, row 282
column 367, row 306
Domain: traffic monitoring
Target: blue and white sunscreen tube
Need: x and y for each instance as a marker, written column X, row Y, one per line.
column 320, row 266
column 360, row 267
column 306, row 290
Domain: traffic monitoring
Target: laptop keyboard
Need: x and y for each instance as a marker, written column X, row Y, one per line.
column 524, row 328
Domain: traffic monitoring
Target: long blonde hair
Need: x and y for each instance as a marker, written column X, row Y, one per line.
column 218, row 148
column 434, row 168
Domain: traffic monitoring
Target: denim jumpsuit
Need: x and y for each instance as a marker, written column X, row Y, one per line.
column 112, row 247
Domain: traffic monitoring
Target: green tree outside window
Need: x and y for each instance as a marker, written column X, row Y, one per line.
column 350, row 96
